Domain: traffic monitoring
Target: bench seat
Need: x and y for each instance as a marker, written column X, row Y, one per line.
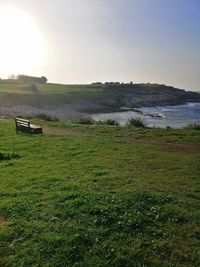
column 35, row 128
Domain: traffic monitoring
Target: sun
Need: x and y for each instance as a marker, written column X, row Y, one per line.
column 22, row 45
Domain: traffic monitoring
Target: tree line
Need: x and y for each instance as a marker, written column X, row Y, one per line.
column 26, row 78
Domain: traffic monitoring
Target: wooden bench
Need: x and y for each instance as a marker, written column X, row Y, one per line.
column 25, row 126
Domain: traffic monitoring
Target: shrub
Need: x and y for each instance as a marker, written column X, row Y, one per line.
column 86, row 120
column 109, row 122
column 168, row 127
column 195, row 126
column 46, row 117
column 137, row 122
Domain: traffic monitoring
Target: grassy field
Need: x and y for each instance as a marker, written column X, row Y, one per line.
column 49, row 88
column 51, row 96
column 87, row 195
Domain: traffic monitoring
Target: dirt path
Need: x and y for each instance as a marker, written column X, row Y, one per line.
column 163, row 143
column 185, row 147
column 61, row 131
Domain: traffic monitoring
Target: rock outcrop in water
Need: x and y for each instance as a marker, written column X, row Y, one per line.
column 115, row 95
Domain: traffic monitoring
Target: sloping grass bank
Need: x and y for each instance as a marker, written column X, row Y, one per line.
column 99, row 196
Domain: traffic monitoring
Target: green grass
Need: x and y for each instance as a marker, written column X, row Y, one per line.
column 49, row 88
column 18, row 88
column 99, row 196
column 8, row 155
column 49, row 95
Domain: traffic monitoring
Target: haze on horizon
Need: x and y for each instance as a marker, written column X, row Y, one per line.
column 84, row 41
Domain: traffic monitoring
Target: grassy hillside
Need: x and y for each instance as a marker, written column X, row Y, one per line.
column 99, row 196
column 49, row 98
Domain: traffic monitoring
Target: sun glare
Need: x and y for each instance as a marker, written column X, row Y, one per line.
column 22, row 46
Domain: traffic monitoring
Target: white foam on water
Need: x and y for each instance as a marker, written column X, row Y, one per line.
column 174, row 116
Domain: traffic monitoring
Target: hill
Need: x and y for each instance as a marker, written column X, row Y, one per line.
column 69, row 101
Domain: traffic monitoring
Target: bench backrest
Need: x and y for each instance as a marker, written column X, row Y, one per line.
column 22, row 123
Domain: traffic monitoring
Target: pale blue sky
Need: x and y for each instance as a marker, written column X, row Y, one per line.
column 119, row 40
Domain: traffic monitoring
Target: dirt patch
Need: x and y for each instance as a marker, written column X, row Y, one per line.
column 2, row 221
column 184, row 147
column 167, row 145
column 60, row 131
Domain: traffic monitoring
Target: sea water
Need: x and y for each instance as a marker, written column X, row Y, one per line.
column 160, row 116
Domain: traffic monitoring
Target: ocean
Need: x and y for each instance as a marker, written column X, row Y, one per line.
column 160, row 116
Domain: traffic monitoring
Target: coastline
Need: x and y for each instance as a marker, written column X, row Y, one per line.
column 66, row 102
column 135, row 107
column 174, row 116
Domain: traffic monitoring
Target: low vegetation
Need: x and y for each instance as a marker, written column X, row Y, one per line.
column 8, row 155
column 85, row 120
column 90, row 121
column 46, row 117
column 108, row 122
column 195, row 126
column 92, row 195
column 137, row 122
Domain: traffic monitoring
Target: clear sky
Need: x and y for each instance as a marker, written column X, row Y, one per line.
column 154, row 41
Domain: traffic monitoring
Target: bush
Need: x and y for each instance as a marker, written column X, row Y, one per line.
column 46, row 117
column 109, row 122
column 195, row 126
column 137, row 122
column 86, row 120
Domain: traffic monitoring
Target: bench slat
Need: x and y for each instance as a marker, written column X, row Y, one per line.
column 22, row 120
column 23, row 124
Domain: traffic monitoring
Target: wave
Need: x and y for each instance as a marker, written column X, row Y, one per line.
column 194, row 106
